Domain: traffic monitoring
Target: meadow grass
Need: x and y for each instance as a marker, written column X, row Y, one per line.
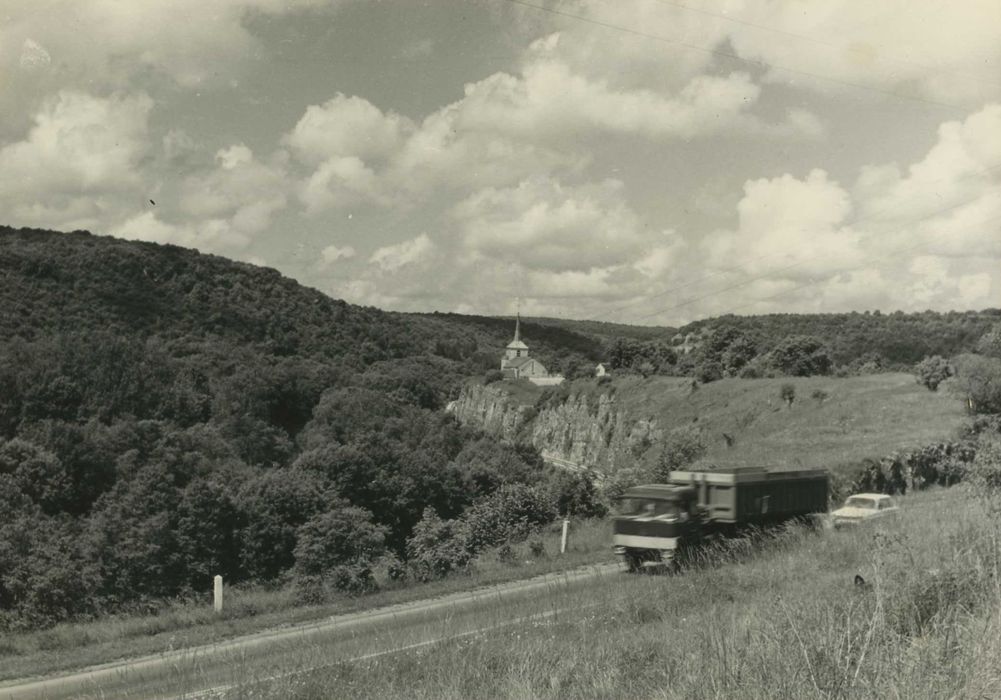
column 777, row 617
column 833, row 423
column 192, row 622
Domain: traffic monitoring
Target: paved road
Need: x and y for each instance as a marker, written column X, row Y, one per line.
column 210, row 670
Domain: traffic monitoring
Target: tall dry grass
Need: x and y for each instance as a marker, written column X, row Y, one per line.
column 779, row 617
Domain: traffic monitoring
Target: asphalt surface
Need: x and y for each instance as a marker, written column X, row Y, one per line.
column 211, row 671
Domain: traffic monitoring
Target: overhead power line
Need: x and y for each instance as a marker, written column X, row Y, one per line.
column 828, row 44
column 735, row 56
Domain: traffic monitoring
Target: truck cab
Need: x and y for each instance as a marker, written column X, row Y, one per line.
column 660, row 522
column 654, row 522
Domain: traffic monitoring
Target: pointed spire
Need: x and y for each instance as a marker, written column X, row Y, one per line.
column 517, row 325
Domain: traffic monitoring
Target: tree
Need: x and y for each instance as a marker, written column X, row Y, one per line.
column 510, row 513
column 576, row 495
column 978, row 381
column 340, row 546
column 38, row 474
column 682, row 447
column 932, row 371
column 990, row 343
column 438, row 547
column 274, row 506
column 801, row 356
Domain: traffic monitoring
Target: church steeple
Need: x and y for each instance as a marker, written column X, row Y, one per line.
column 516, row 348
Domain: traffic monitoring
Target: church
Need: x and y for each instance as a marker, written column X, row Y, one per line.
column 516, row 364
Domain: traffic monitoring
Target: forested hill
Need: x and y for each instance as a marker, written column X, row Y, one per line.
column 167, row 415
column 884, row 340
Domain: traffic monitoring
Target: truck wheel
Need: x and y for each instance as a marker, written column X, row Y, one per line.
column 633, row 562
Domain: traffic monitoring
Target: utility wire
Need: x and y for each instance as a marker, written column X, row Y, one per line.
column 821, row 42
column 736, row 56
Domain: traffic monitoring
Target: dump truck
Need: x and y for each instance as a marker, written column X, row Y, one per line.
column 663, row 522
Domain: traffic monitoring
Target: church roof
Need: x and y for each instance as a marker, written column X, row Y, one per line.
column 516, row 345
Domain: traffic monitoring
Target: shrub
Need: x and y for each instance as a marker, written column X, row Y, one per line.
column 510, row 513
column 978, row 380
column 438, row 547
column 709, row 371
column 339, row 547
column 576, row 495
column 787, row 392
column 932, row 371
column 819, row 395
column 494, row 375
column 985, row 472
column 801, row 356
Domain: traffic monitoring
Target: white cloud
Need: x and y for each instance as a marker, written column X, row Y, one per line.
column 796, row 226
column 950, row 201
column 549, row 101
column 81, row 155
column 542, row 224
column 78, row 143
column 240, row 190
column 935, row 52
column 345, row 127
column 331, row 254
column 205, row 235
column 393, row 257
column 107, row 42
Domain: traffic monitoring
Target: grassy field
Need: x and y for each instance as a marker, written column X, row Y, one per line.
column 191, row 623
column 833, row 422
column 781, row 618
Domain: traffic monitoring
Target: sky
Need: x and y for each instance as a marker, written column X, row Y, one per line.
column 640, row 161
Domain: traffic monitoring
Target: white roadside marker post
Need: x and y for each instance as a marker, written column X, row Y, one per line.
column 563, row 540
column 217, row 597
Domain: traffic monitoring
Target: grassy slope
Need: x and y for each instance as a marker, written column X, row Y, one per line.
column 867, row 416
column 787, row 622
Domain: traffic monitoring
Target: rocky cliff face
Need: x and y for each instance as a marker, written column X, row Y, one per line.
column 586, row 428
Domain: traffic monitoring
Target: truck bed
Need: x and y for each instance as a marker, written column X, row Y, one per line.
column 751, row 495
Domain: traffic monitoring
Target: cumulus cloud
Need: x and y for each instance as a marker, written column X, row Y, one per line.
column 240, row 189
column 332, row 253
column 926, row 52
column 549, row 100
column 789, row 223
column 78, row 143
column 206, row 235
column 189, row 41
column 544, row 224
column 950, row 200
column 933, row 53
column 344, row 127
column 391, row 258
column 81, row 152
column 509, row 126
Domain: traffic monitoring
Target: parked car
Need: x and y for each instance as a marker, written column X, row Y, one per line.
column 863, row 507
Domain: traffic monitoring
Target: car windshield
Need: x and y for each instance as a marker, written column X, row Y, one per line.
column 861, row 502
column 647, row 507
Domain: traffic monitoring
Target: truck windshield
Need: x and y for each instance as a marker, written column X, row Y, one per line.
column 860, row 502
column 647, row 507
